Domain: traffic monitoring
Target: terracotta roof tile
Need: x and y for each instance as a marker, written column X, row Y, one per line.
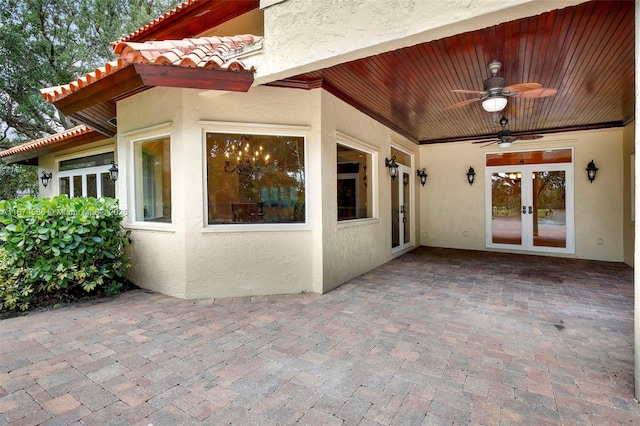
column 47, row 140
column 203, row 52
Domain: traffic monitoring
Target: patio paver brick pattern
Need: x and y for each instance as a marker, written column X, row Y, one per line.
column 435, row 336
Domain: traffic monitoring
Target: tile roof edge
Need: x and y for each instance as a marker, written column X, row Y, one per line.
column 47, row 140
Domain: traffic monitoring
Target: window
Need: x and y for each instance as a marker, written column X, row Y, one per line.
column 354, row 192
column 153, row 180
column 254, row 178
column 87, row 176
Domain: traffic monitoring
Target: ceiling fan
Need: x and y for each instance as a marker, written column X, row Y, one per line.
column 495, row 93
column 505, row 138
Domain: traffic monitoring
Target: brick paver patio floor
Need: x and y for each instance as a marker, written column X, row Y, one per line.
column 434, row 337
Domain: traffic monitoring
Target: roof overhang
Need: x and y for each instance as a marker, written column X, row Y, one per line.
column 94, row 104
column 29, row 152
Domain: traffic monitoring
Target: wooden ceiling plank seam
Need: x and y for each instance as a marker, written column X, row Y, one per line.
column 571, row 62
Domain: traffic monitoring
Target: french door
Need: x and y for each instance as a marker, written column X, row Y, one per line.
column 530, row 207
column 401, row 220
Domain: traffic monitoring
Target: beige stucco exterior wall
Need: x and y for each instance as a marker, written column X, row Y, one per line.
column 628, row 136
column 190, row 259
column 158, row 249
column 352, row 248
column 452, row 213
column 303, row 35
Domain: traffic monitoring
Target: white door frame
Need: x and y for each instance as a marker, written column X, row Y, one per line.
column 526, row 201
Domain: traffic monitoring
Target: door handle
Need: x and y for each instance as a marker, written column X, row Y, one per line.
column 530, row 210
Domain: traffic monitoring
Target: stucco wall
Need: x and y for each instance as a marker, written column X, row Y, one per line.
column 453, row 213
column 352, row 248
column 629, row 136
column 188, row 258
column 158, row 250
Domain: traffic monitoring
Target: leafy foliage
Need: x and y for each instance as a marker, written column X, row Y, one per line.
column 16, row 180
column 60, row 245
column 45, row 43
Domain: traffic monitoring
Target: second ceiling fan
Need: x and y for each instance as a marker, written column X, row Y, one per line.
column 505, row 138
column 495, row 93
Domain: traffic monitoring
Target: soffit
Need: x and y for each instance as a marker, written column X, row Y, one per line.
column 192, row 18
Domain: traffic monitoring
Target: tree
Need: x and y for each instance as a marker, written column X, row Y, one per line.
column 46, row 43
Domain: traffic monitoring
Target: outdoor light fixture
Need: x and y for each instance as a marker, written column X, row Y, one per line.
column 45, row 178
column 471, row 175
column 113, row 171
column 392, row 165
column 494, row 103
column 591, row 171
column 422, row 174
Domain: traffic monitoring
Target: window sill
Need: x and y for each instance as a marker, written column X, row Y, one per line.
column 262, row 227
column 152, row 227
column 353, row 223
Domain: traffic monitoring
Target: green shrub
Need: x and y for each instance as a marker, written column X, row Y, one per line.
column 60, row 245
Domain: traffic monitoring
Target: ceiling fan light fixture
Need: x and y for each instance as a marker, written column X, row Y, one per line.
column 494, row 103
column 504, row 144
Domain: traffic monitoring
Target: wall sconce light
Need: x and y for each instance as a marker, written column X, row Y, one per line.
column 45, row 178
column 471, row 175
column 591, row 171
column 113, row 171
column 422, row 174
column 392, row 165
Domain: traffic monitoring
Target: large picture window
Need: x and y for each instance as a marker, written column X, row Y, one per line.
column 153, row 180
column 354, row 190
column 254, row 178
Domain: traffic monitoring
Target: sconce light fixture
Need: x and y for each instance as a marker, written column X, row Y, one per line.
column 113, row 171
column 471, row 175
column 392, row 165
column 45, row 178
column 422, row 174
column 591, row 171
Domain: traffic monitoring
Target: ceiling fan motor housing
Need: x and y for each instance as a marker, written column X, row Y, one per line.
column 494, row 85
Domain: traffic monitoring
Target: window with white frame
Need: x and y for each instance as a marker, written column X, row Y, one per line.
column 255, row 178
column 87, row 176
column 152, row 177
column 355, row 197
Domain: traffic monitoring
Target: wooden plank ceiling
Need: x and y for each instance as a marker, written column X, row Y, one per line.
column 586, row 52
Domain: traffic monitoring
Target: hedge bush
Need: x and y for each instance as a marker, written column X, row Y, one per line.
column 60, row 245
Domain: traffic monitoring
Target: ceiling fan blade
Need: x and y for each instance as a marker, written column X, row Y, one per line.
column 471, row 92
column 490, row 143
column 492, row 140
column 527, row 137
column 541, row 92
column 463, row 103
column 516, row 89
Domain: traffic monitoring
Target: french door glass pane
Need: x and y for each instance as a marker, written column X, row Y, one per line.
column 92, row 186
column 395, row 214
column 550, row 218
column 506, row 219
column 406, row 208
column 65, row 188
column 108, row 186
column 77, row 186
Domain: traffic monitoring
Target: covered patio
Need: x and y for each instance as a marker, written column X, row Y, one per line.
column 436, row 336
